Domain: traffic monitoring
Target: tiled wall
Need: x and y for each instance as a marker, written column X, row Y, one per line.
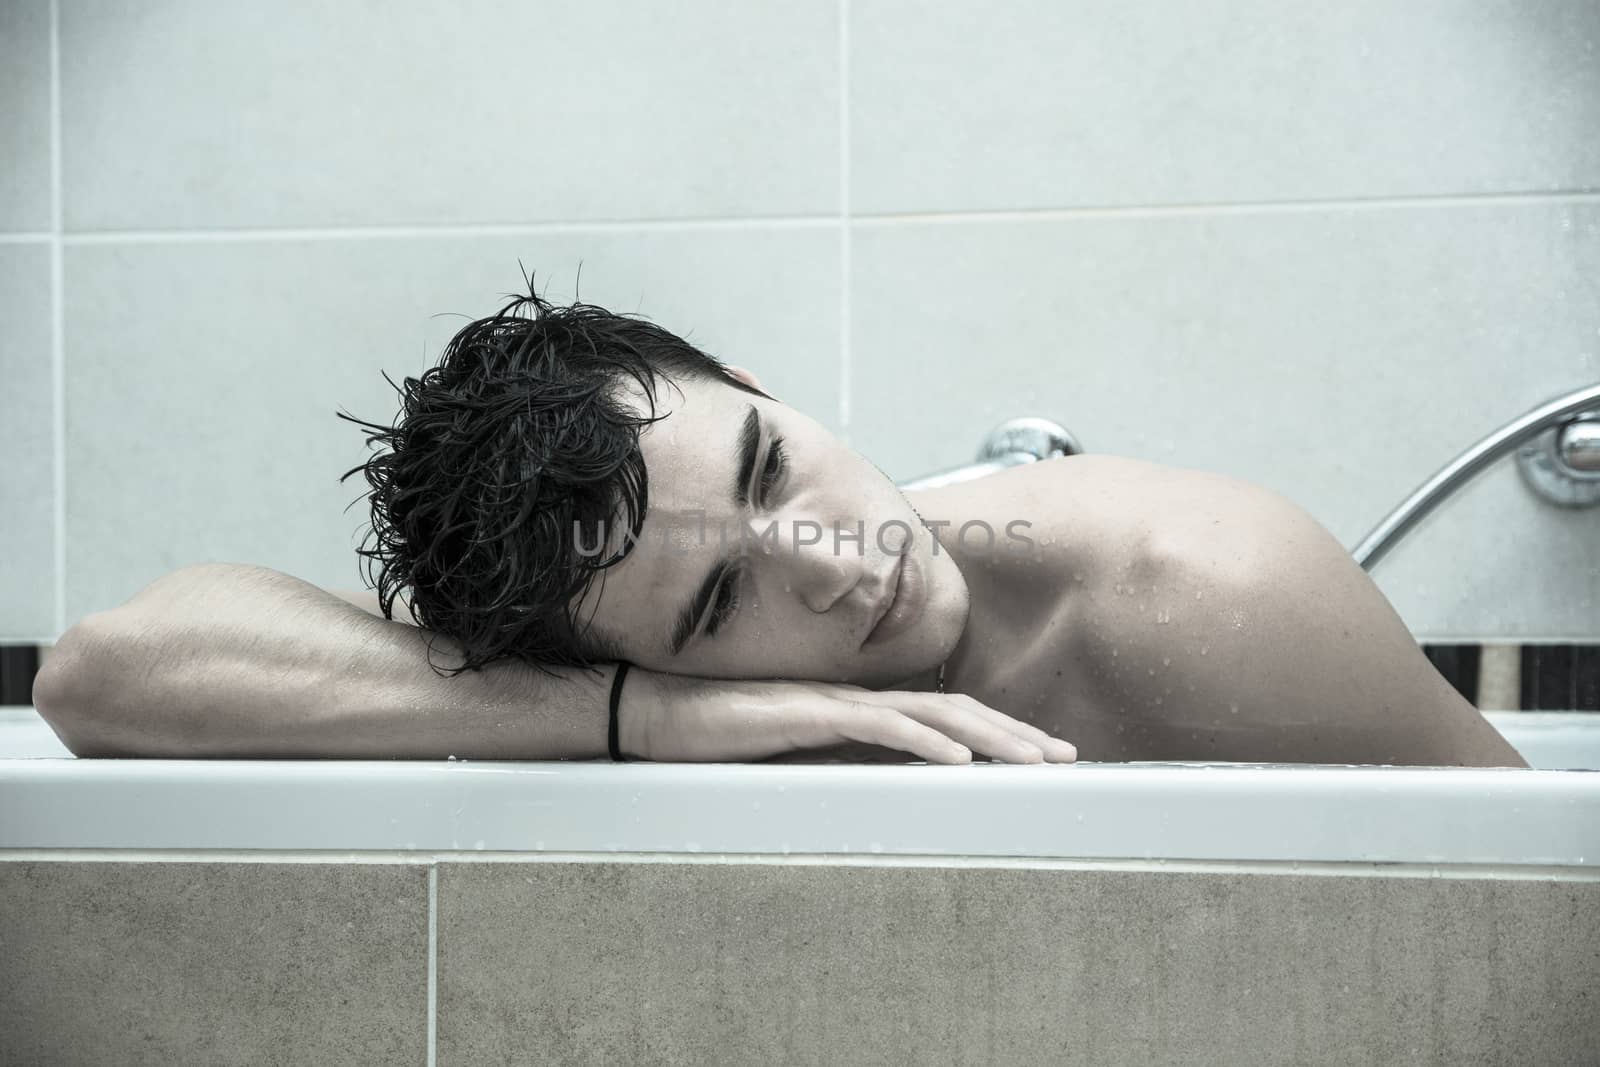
column 713, row 962
column 1322, row 248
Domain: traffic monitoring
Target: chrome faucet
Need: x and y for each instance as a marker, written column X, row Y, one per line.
column 1012, row 443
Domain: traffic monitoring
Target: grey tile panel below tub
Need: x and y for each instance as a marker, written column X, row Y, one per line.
column 714, row 963
column 212, row 963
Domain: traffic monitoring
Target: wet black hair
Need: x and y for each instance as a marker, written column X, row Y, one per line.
column 508, row 455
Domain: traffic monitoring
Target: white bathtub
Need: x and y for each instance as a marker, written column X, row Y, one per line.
column 1543, row 817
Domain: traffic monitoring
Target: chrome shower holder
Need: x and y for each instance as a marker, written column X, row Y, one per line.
column 1562, row 464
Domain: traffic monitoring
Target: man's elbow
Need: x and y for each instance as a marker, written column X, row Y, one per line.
column 1314, row 637
column 69, row 695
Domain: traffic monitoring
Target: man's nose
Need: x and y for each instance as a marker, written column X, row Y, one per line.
column 817, row 565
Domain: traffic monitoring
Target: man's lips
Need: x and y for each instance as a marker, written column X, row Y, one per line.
column 889, row 597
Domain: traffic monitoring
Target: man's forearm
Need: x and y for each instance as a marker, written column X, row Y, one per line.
column 226, row 660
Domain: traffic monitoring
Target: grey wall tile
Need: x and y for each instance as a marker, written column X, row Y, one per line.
column 1339, row 357
column 203, row 378
column 759, row 963
column 326, row 114
column 225, row 963
column 1039, row 103
column 27, row 446
column 25, row 116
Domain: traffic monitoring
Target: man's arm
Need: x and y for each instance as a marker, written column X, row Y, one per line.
column 226, row 660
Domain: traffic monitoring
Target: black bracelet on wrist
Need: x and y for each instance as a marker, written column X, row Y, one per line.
column 616, row 698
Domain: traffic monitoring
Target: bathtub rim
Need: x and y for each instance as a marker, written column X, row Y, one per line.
column 1180, row 812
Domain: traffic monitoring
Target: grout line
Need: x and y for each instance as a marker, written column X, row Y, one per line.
column 27, row 238
column 1243, row 207
column 58, row 405
column 1517, row 639
column 433, row 962
column 844, row 221
column 445, row 230
column 758, row 222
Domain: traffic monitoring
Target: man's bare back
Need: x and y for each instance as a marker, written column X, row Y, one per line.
column 1176, row 614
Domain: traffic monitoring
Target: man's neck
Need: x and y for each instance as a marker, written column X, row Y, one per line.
column 961, row 667
column 980, row 647
column 924, row 682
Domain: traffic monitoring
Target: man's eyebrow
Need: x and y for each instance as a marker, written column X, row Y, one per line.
column 683, row 629
column 746, row 446
column 749, row 441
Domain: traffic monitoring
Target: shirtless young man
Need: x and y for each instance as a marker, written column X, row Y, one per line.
column 774, row 590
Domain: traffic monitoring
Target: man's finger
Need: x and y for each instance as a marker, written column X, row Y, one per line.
column 1053, row 747
column 955, row 719
column 892, row 728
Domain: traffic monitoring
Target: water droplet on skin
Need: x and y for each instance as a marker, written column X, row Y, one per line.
column 1113, row 652
column 1166, row 661
column 1152, row 670
column 1233, row 709
column 1158, row 700
column 1197, row 594
column 1203, row 649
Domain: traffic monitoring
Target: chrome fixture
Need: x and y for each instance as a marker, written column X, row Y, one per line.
column 1012, row 443
column 1563, row 463
column 1558, row 453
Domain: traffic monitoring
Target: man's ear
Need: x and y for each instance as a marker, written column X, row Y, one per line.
column 747, row 378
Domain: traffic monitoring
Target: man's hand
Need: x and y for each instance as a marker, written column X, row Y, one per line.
column 668, row 718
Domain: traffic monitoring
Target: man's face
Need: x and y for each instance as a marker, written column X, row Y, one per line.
column 738, row 572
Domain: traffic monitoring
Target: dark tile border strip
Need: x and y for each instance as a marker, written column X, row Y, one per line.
column 1459, row 664
column 18, row 665
column 1556, row 677
column 1559, row 677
